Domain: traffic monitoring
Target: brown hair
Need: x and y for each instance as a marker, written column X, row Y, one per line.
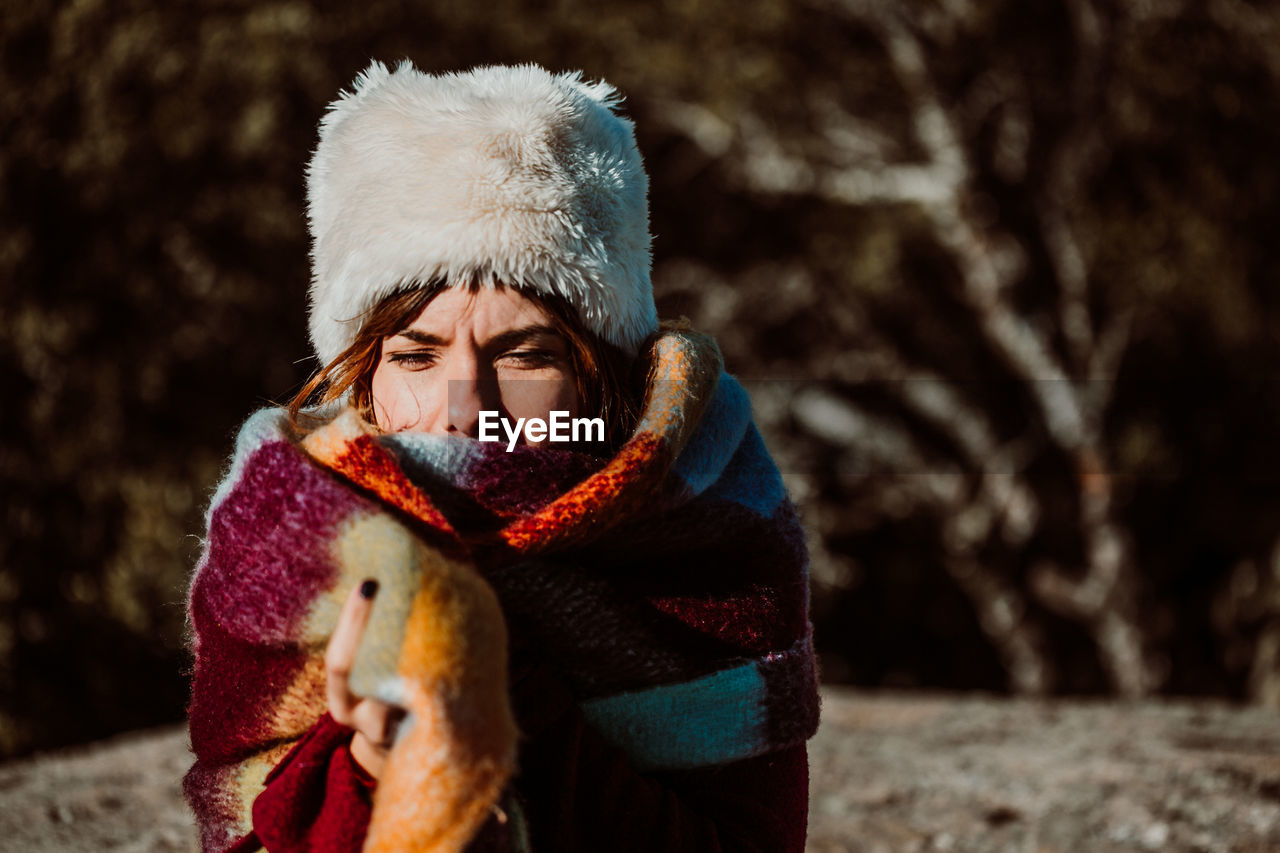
column 610, row 384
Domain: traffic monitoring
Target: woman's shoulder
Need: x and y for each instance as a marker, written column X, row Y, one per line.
column 278, row 425
column 269, row 446
column 271, row 528
column 264, row 427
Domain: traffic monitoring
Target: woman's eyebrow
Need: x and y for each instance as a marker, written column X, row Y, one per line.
column 512, row 337
column 509, row 338
column 423, row 338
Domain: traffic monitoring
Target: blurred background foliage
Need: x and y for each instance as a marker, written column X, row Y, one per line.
column 1000, row 276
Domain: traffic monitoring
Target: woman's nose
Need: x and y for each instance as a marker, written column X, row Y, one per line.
column 465, row 403
column 473, row 387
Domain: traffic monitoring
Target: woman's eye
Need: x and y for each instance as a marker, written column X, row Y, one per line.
column 531, row 358
column 412, row 360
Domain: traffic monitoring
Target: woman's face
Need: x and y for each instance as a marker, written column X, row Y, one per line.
column 492, row 349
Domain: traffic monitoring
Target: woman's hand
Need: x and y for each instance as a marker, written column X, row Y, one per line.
column 375, row 722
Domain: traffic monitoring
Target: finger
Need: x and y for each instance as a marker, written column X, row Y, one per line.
column 340, row 655
column 377, row 721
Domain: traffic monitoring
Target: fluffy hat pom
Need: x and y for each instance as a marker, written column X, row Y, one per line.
column 498, row 175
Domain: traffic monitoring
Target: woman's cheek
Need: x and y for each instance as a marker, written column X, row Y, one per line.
column 560, row 394
column 569, row 398
column 406, row 399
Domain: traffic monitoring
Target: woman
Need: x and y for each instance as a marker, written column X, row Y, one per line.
column 409, row 636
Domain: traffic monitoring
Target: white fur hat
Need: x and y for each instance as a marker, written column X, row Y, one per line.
column 499, row 174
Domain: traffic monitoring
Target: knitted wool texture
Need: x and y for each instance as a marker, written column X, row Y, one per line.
column 667, row 585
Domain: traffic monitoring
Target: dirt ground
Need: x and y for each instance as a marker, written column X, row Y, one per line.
column 891, row 772
column 911, row 773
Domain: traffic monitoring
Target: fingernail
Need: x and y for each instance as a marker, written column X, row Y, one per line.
column 369, row 588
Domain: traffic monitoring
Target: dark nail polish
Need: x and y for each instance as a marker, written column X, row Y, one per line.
column 369, row 588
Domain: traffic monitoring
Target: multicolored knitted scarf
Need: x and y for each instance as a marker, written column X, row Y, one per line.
column 667, row 585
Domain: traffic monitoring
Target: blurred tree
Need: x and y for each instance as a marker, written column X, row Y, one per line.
column 1050, row 196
